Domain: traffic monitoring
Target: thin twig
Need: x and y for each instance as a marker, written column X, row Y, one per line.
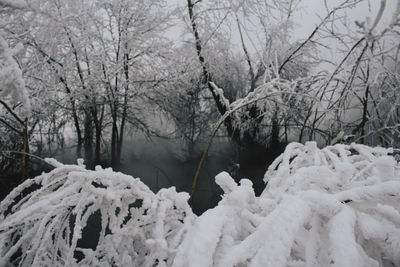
column 25, row 153
column 342, row 5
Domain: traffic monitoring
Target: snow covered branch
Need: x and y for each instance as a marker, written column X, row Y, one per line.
column 11, row 80
column 45, row 227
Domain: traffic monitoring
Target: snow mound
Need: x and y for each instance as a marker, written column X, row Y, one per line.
column 337, row 206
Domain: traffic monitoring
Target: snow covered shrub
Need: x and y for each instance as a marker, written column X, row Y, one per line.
column 45, row 227
column 335, row 206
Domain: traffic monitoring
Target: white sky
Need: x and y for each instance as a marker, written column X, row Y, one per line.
column 313, row 11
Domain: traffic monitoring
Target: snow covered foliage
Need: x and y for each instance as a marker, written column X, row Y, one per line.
column 291, row 96
column 351, row 195
column 137, row 227
column 11, row 80
column 334, row 206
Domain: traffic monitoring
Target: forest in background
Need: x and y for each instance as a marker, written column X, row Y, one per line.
column 90, row 74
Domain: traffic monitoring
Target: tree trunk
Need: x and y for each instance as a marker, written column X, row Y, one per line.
column 97, row 150
column 125, row 105
column 98, row 126
column 25, row 157
column 88, row 139
column 114, row 138
column 207, row 79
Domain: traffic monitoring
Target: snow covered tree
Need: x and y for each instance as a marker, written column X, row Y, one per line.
column 14, row 104
column 347, row 105
column 258, row 122
column 99, row 56
column 132, row 42
column 325, row 103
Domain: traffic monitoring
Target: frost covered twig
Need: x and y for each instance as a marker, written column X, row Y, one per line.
column 51, row 162
column 316, row 29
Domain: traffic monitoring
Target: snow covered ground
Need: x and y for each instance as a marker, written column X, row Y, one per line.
column 336, row 206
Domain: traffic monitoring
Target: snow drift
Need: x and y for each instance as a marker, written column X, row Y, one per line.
column 335, row 206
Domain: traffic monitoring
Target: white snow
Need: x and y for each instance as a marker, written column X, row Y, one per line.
column 337, row 206
column 11, row 81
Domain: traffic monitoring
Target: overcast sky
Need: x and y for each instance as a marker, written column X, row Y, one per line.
column 312, row 11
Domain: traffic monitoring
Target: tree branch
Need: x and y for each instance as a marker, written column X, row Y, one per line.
column 12, row 112
column 342, row 5
column 11, row 127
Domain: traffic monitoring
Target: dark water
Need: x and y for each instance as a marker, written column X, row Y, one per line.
column 161, row 163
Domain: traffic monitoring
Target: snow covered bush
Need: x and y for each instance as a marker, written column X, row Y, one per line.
column 334, row 206
column 44, row 228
